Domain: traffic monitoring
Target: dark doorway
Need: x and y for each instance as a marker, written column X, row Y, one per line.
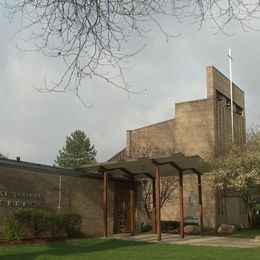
column 122, row 209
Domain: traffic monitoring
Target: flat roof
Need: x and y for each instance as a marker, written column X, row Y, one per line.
column 169, row 166
column 42, row 168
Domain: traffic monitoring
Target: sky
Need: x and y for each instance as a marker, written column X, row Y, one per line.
column 34, row 125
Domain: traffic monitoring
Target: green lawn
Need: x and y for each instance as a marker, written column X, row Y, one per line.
column 250, row 233
column 95, row 248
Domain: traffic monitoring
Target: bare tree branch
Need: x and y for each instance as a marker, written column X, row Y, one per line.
column 168, row 185
column 91, row 36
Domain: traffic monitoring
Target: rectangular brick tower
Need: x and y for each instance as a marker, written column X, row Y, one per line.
column 200, row 127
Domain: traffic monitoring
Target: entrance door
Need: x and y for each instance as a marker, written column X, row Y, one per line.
column 122, row 213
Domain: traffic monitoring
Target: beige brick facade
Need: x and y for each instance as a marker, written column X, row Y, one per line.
column 200, row 127
column 27, row 188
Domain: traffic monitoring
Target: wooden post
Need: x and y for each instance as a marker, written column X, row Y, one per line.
column 200, row 205
column 181, row 204
column 132, row 205
column 154, row 206
column 105, row 181
column 158, row 202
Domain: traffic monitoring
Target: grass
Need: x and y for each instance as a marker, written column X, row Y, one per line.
column 95, row 248
column 249, row 233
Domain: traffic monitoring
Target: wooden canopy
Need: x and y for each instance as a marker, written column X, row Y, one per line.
column 170, row 166
column 154, row 168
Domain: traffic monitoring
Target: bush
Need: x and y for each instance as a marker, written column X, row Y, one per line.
column 56, row 224
column 238, row 227
column 209, row 230
column 256, row 221
column 146, row 227
column 72, row 224
column 191, row 224
column 13, row 229
column 169, row 226
column 33, row 223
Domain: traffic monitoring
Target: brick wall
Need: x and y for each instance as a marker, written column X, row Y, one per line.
column 157, row 139
column 200, row 127
column 82, row 195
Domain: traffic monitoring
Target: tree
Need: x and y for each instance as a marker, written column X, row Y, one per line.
column 168, row 185
column 2, row 156
column 77, row 151
column 237, row 173
column 91, row 36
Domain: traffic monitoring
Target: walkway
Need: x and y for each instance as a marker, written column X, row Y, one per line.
column 192, row 240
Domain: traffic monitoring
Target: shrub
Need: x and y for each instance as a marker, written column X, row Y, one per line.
column 256, row 221
column 72, row 223
column 146, row 227
column 32, row 223
column 35, row 222
column 191, row 224
column 169, row 226
column 13, row 229
column 209, row 230
column 238, row 227
column 56, row 224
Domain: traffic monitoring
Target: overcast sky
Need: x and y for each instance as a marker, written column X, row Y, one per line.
column 34, row 125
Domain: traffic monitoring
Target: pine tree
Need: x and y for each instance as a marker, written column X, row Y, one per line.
column 2, row 156
column 77, row 151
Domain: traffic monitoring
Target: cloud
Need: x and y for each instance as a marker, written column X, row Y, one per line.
column 35, row 125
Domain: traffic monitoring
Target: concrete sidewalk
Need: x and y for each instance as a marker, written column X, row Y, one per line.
column 191, row 240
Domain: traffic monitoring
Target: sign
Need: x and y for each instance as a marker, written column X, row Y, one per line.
column 20, row 199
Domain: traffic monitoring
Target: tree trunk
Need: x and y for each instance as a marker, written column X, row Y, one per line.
column 147, row 212
column 250, row 215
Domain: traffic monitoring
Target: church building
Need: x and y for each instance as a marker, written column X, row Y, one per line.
column 200, row 127
column 110, row 203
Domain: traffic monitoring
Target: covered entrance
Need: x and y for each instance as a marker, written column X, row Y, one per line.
column 153, row 168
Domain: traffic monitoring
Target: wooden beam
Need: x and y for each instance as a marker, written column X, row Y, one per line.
column 158, row 203
column 181, row 204
column 154, row 207
column 200, row 205
column 132, row 205
column 146, row 174
column 174, row 165
column 105, row 182
column 128, row 173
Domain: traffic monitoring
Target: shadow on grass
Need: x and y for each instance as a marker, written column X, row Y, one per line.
column 70, row 248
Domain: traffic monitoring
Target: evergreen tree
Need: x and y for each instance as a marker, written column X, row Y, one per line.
column 77, row 151
column 2, row 156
